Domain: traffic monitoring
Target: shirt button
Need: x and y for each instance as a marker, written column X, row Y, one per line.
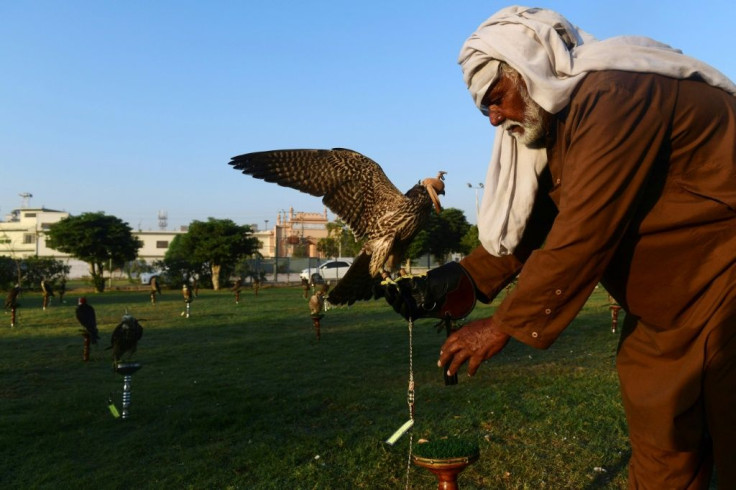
column 547, row 311
column 535, row 334
column 558, row 292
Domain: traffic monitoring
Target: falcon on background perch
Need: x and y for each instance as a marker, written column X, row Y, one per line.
column 11, row 300
column 125, row 337
column 355, row 188
column 87, row 318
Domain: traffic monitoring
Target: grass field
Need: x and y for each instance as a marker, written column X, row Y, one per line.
column 244, row 396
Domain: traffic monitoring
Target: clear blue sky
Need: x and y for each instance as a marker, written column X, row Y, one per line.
column 137, row 106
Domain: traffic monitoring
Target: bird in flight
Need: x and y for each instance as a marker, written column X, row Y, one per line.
column 357, row 190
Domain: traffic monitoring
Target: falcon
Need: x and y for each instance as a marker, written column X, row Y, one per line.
column 125, row 337
column 155, row 286
column 11, row 300
column 87, row 318
column 47, row 288
column 186, row 291
column 356, row 189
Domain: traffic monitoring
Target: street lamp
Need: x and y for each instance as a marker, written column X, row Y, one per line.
column 477, row 188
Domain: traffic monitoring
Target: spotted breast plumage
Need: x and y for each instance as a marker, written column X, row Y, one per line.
column 357, row 190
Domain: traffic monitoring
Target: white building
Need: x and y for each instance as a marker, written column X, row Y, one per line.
column 23, row 234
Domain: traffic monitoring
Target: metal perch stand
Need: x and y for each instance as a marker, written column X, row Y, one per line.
column 614, row 317
column 126, row 370
column 85, row 350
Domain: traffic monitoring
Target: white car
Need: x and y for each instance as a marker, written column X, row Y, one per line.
column 330, row 270
column 147, row 276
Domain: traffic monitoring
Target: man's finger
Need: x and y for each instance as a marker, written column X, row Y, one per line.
column 448, row 350
column 473, row 365
column 455, row 363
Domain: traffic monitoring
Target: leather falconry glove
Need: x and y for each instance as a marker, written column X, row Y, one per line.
column 445, row 292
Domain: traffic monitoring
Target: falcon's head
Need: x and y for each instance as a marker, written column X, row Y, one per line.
column 435, row 186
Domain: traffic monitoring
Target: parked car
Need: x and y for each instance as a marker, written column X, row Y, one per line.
column 147, row 276
column 330, row 270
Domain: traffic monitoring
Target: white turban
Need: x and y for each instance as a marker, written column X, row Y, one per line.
column 552, row 56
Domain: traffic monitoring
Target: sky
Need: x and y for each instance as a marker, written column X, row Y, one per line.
column 136, row 107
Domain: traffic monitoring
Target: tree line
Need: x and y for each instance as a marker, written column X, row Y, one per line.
column 445, row 233
column 210, row 250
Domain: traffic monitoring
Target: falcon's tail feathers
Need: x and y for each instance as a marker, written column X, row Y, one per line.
column 356, row 285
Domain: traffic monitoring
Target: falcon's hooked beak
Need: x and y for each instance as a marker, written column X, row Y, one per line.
column 435, row 186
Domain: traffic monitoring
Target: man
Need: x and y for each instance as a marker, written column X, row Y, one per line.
column 614, row 161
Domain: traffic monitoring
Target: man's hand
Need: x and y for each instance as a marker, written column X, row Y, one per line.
column 475, row 342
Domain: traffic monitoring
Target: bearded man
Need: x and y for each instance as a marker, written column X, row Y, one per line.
column 614, row 161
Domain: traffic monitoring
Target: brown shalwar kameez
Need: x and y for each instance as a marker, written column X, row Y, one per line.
column 640, row 194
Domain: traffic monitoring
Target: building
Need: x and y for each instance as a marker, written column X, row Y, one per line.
column 22, row 234
column 292, row 231
column 155, row 243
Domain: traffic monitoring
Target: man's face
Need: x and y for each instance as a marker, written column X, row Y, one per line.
column 510, row 106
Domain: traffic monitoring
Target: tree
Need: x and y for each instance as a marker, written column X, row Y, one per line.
column 470, row 241
column 179, row 261
column 419, row 246
column 40, row 268
column 447, row 231
column 217, row 244
column 301, row 250
column 340, row 241
column 8, row 273
column 95, row 238
column 442, row 234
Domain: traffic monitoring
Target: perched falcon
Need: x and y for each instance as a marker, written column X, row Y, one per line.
column 186, row 291
column 11, row 300
column 87, row 318
column 155, row 286
column 47, row 288
column 125, row 337
column 317, row 304
column 355, row 188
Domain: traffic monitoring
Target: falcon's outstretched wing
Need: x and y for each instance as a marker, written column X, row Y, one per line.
column 352, row 185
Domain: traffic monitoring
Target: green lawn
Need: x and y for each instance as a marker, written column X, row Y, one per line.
column 244, row 396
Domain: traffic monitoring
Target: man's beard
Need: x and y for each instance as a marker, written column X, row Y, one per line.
column 535, row 123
